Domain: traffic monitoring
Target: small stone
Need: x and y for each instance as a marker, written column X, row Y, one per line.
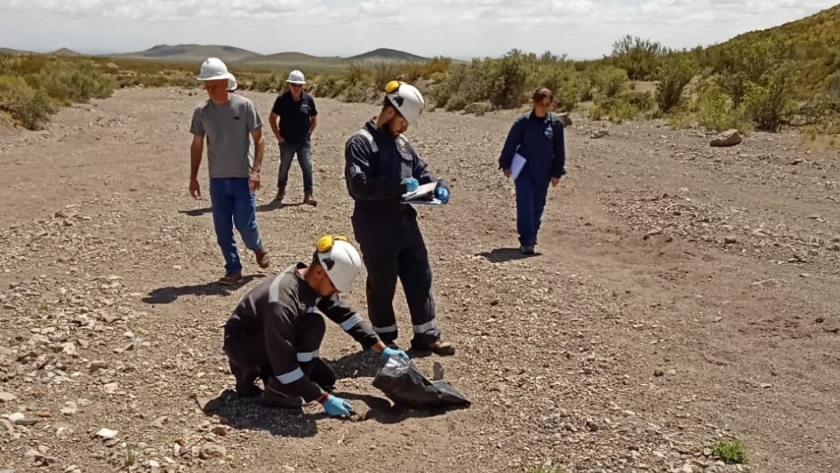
column 7, row 397
column 658, row 372
column 107, row 433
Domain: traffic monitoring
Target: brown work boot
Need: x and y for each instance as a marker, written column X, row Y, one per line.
column 307, row 199
column 231, row 279
column 437, row 347
column 262, row 258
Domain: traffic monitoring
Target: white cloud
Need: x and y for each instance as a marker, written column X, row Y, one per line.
column 459, row 28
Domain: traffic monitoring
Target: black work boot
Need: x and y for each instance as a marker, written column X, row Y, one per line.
column 245, row 378
column 273, row 396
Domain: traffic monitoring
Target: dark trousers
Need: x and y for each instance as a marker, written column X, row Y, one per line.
column 304, row 156
column 248, row 357
column 531, row 195
column 394, row 250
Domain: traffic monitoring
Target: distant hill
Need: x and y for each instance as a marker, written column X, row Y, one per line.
column 14, row 51
column 65, row 52
column 816, row 30
column 190, row 53
column 233, row 56
column 290, row 59
column 387, row 55
column 812, row 42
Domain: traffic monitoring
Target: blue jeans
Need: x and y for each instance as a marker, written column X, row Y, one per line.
column 304, row 156
column 234, row 204
column 531, row 194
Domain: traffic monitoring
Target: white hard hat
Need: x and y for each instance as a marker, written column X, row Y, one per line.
column 406, row 99
column 232, row 83
column 296, row 77
column 214, row 69
column 340, row 260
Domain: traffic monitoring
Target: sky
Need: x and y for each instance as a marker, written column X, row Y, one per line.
column 462, row 29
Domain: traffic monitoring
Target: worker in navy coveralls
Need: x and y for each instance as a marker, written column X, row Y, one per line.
column 538, row 137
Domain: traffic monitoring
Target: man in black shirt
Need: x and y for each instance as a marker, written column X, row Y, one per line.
column 275, row 332
column 298, row 119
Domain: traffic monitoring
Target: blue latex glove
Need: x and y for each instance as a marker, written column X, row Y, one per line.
column 337, row 407
column 388, row 352
column 442, row 194
column 411, row 184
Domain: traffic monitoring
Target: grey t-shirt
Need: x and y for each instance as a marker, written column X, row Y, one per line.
column 228, row 130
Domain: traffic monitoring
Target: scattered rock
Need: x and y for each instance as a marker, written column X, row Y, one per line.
column 478, row 108
column 106, row 433
column 599, row 133
column 727, row 138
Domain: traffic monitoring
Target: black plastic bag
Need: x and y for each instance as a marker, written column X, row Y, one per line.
column 405, row 385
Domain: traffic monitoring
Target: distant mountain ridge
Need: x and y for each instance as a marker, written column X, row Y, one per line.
column 234, row 55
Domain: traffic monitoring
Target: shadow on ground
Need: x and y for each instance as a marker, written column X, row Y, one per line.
column 360, row 364
column 274, row 205
column 365, row 364
column 247, row 414
column 381, row 410
column 196, row 212
column 169, row 294
column 501, row 255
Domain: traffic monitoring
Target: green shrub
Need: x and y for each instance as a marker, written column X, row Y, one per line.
column 640, row 58
column 716, row 110
column 618, row 108
column 676, row 73
column 770, row 103
column 28, row 106
column 608, row 80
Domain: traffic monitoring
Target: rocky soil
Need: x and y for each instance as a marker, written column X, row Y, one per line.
column 682, row 295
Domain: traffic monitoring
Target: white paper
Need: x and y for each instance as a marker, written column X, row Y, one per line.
column 517, row 165
column 421, row 191
column 425, row 202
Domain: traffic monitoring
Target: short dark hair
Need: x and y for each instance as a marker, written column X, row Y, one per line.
column 541, row 93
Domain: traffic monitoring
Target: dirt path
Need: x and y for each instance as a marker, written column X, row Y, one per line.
column 683, row 295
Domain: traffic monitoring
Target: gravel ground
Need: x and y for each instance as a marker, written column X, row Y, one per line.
column 682, row 295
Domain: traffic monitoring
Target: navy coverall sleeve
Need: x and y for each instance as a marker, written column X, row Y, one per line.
column 349, row 320
column 421, row 172
column 558, row 163
column 360, row 183
column 514, row 137
column 279, row 334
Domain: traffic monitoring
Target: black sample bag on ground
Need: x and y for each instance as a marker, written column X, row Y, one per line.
column 405, row 385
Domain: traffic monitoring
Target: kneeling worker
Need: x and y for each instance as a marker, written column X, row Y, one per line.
column 274, row 332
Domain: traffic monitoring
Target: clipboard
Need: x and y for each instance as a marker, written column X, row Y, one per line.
column 517, row 165
column 420, row 193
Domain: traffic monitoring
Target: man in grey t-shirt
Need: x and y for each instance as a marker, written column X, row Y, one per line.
column 228, row 122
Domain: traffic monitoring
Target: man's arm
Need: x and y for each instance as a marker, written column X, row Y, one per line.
column 196, row 150
column 357, row 174
column 279, row 333
column 255, row 126
column 351, row 322
column 259, row 149
column 558, row 162
column 274, row 117
column 514, row 136
column 313, row 120
column 197, row 145
column 273, row 123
